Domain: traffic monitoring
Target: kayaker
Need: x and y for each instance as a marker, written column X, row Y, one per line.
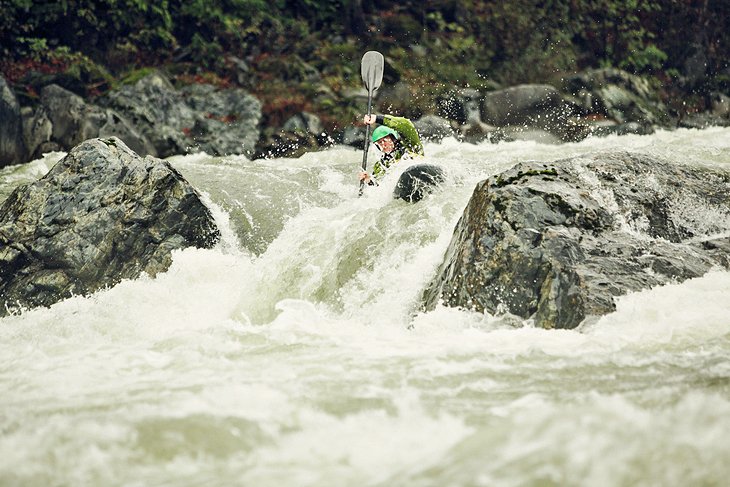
column 397, row 138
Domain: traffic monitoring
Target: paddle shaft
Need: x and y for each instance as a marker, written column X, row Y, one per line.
column 371, row 70
column 367, row 139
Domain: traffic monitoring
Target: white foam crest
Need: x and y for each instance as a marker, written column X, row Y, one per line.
column 199, row 290
column 229, row 240
column 366, row 448
column 694, row 311
column 601, row 440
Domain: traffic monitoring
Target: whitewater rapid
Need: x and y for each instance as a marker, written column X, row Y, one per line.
column 295, row 353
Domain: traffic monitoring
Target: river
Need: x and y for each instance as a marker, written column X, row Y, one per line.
column 295, row 353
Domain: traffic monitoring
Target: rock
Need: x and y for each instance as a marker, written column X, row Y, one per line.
column 702, row 121
column 358, row 96
column 106, row 123
column 63, row 120
column 154, row 106
column 476, row 132
column 520, row 105
column 226, row 120
column 619, row 95
column 12, row 145
column 694, row 67
column 556, row 242
column 304, row 122
column 287, row 144
column 102, row 214
column 241, row 69
column 462, row 106
column 198, row 117
column 535, row 108
column 433, row 128
column 354, row 136
column 622, row 129
column 37, row 131
column 66, row 113
column 720, row 104
column 396, row 98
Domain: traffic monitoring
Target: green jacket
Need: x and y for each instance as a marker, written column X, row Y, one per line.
column 409, row 142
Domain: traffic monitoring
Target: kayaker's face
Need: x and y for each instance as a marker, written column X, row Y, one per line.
column 386, row 144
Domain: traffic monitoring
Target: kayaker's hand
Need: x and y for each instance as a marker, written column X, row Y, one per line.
column 369, row 119
column 364, row 177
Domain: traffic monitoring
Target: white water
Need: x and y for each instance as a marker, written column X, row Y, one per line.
column 293, row 354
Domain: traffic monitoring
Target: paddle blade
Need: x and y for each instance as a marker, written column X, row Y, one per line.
column 371, row 69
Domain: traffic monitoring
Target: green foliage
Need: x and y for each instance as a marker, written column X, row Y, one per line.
column 290, row 46
column 648, row 59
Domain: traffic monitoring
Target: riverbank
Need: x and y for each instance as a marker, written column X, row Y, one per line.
column 603, row 68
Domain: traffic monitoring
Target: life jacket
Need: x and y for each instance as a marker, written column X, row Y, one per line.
column 387, row 160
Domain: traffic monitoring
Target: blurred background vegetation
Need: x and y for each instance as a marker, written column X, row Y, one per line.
column 298, row 55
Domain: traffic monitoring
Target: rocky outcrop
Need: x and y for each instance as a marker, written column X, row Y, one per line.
column 618, row 95
column 64, row 120
column 195, row 118
column 520, row 104
column 556, row 242
column 433, row 128
column 300, row 134
column 100, row 215
column 539, row 107
column 304, row 122
column 12, row 147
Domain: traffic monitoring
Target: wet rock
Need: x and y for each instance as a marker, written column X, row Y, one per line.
column 12, row 145
column 694, row 67
column 396, row 98
column 519, row 105
column 241, row 69
column 358, row 96
column 102, row 214
column 64, row 119
column 354, row 136
column 535, row 107
column 287, row 144
column 226, row 121
column 304, row 122
column 702, row 120
column 463, row 106
column 556, row 242
column 622, row 129
column 618, row 95
column 37, row 132
column 433, row 128
column 720, row 105
column 475, row 132
column 154, row 106
column 196, row 118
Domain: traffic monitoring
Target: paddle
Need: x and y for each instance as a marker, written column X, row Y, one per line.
column 371, row 69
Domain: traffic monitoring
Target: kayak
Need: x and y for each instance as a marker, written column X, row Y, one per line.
column 417, row 181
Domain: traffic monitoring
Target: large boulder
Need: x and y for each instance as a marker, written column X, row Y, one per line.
column 534, row 106
column 12, row 147
column 198, row 117
column 519, row 104
column 433, row 128
column 463, row 106
column 556, row 242
column 100, row 215
column 63, row 120
column 619, row 95
column 226, row 121
column 304, row 122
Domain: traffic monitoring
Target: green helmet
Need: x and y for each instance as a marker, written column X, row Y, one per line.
column 384, row 131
